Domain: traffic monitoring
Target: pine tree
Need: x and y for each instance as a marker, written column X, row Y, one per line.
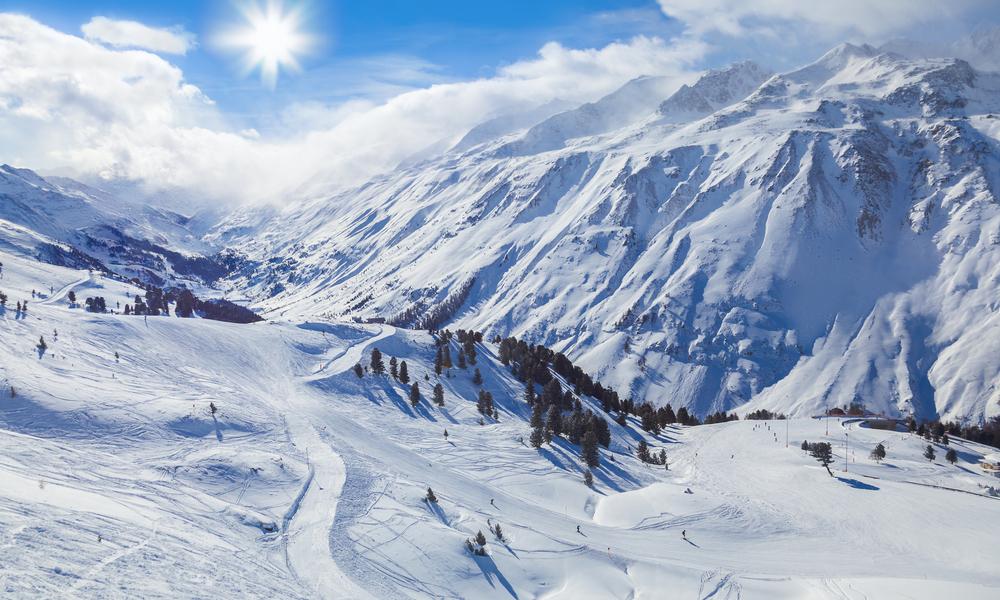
column 498, row 532
column 553, row 421
column 42, row 346
column 72, row 297
column 378, row 367
column 805, row 446
column 588, row 450
column 878, row 454
column 480, row 538
column 588, row 478
column 951, row 456
column 430, row 496
column 439, row 394
column 477, row 378
column 529, row 393
column 394, row 368
column 823, row 453
column 415, row 394
column 536, row 416
column 461, row 359
column 404, row 374
column 662, row 458
column 438, row 362
column 642, row 451
column 536, row 438
column 929, row 453
column 446, row 356
column 358, row 370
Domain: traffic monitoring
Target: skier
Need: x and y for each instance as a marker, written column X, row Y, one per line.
column 684, row 534
column 446, row 435
column 493, row 503
column 578, row 529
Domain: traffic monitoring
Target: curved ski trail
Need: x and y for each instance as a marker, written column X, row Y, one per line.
column 308, row 522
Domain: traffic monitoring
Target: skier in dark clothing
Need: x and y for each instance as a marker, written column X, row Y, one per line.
column 684, row 533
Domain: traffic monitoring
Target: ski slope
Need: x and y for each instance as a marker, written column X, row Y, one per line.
column 308, row 482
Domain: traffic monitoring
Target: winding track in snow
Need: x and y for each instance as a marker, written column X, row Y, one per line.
column 308, row 522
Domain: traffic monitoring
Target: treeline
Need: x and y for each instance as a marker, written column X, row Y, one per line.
column 988, row 433
column 535, row 363
column 157, row 301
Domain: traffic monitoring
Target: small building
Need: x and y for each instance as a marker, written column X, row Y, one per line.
column 836, row 412
column 991, row 462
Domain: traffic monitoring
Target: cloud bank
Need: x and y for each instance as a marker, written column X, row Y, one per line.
column 132, row 34
column 83, row 107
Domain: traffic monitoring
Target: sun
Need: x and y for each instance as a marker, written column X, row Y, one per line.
column 271, row 38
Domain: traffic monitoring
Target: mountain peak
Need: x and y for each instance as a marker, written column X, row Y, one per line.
column 715, row 89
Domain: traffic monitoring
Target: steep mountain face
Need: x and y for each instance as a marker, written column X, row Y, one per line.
column 830, row 238
column 65, row 222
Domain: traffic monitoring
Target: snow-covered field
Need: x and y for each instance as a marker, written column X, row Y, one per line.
column 118, row 481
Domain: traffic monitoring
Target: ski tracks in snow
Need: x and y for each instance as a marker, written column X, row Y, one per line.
column 308, row 522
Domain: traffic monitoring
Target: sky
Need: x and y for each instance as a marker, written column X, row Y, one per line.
column 167, row 94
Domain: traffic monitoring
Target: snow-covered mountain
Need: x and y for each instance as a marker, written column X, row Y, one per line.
column 827, row 236
column 65, row 222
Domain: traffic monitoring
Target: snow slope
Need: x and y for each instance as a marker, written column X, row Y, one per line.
column 308, row 482
column 827, row 237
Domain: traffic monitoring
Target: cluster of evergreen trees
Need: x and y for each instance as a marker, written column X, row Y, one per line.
column 580, row 427
column 485, row 405
column 95, row 305
column 156, row 302
column 643, row 453
column 764, row 415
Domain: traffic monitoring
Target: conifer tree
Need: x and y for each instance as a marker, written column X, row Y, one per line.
column 394, row 368
column 404, row 374
column 929, row 453
column 588, row 478
column 358, row 370
column 480, row 538
column 878, row 454
column 805, row 446
column 529, row 393
column 536, row 416
column 439, row 394
column 823, row 453
column 461, row 359
column 415, row 394
column 536, row 438
column 951, row 456
column 431, row 497
column 438, row 362
column 588, row 450
column 446, row 356
column 378, row 367
column 498, row 532
column 553, row 421
column 642, row 451
column 477, row 378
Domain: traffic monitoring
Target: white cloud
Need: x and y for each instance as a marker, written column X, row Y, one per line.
column 132, row 34
column 868, row 19
column 81, row 107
